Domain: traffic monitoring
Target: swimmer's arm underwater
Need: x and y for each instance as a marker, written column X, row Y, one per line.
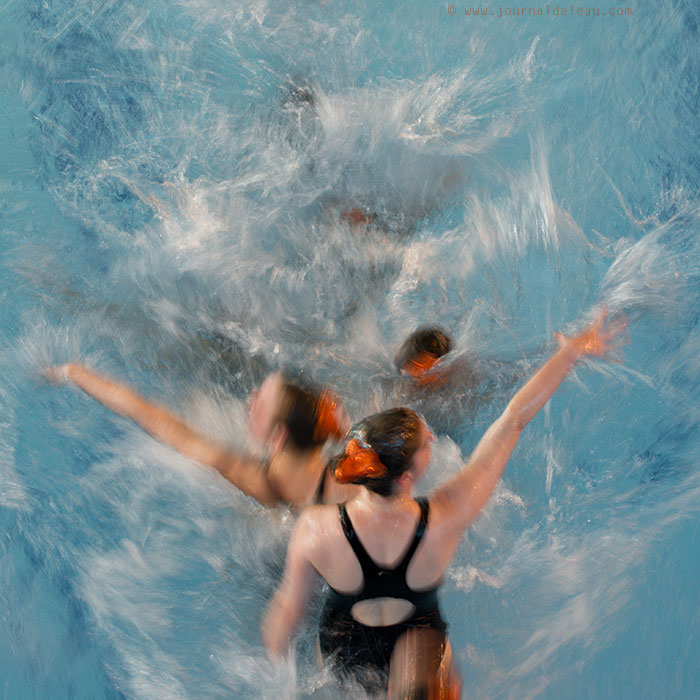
column 244, row 473
column 461, row 499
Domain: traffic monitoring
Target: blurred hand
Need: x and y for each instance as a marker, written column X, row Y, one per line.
column 600, row 338
column 59, row 374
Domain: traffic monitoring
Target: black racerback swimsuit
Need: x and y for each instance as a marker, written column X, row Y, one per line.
column 365, row 651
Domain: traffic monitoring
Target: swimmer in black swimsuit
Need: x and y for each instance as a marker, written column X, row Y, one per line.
column 384, row 533
column 292, row 421
column 362, row 651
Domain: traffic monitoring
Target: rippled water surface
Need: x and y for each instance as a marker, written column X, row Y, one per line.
column 172, row 183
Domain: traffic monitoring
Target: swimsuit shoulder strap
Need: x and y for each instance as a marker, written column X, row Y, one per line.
column 417, row 537
column 366, row 563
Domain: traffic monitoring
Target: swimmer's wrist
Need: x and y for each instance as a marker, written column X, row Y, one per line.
column 577, row 350
column 572, row 348
column 64, row 373
column 58, row 374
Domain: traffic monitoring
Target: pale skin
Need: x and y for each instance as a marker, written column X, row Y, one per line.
column 318, row 548
column 293, row 475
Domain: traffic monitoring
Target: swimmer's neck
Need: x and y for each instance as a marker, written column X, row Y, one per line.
column 400, row 497
column 296, row 474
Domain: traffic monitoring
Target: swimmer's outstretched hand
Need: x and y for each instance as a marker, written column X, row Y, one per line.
column 600, row 339
column 59, row 374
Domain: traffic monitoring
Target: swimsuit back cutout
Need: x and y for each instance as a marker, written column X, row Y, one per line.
column 380, row 582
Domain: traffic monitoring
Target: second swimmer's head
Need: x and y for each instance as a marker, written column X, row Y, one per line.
column 421, row 353
column 285, row 413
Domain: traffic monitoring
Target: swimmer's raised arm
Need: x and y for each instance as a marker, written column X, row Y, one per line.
column 461, row 499
column 245, row 473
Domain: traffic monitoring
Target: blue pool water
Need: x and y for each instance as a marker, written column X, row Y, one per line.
column 171, row 186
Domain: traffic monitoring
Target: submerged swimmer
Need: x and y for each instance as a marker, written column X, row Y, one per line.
column 420, row 357
column 383, row 554
column 357, row 217
column 446, row 386
column 293, row 422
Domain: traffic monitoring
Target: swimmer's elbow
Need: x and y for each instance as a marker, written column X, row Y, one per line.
column 265, row 499
column 258, row 489
column 275, row 650
column 512, row 420
column 274, row 644
column 280, row 622
column 248, row 477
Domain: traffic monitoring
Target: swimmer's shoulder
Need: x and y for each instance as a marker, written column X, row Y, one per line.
column 319, row 514
column 317, row 527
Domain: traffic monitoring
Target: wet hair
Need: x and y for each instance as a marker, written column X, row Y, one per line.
column 379, row 449
column 308, row 414
column 429, row 340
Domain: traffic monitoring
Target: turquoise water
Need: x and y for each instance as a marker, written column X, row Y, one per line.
column 172, row 180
